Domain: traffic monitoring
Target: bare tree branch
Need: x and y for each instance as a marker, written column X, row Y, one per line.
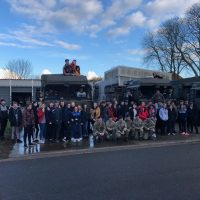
column 18, row 69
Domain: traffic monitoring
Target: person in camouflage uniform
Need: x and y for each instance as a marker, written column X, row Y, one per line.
column 138, row 128
column 121, row 130
column 149, row 128
column 110, row 128
column 99, row 129
column 129, row 124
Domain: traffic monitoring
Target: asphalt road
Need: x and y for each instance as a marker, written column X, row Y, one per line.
column 164, row 173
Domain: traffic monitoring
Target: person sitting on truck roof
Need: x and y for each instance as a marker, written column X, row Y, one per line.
column 66, row 68
column 73, row 66
column 75, row 69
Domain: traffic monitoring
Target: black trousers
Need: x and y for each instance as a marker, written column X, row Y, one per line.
column 191, row 123
column 51, row 131
column 182, row 125
column 163, row 127
column 170, row 126
column 28, row 131
column 36, row 131
column 3, row 127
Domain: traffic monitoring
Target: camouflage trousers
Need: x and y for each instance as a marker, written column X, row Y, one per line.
column 138, row 133
column 148, row 133
column 121, row 134
column 99, row 135
column 110, row 134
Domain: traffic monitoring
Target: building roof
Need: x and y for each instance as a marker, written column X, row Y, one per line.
column 20, row 82
column 58, row 79
column 148, row 82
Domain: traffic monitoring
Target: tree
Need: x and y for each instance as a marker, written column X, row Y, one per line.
column 19, row 69
column 161, row 49
column 175, row 46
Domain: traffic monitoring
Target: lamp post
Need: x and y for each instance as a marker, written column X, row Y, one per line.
column 10, row 84
column 198, row 52
column 32, row 90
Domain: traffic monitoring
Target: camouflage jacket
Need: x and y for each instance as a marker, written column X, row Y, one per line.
column 137, row 123
column 99, row 126
column 149, row 123
column 121, row 125
column 129, row 124
column 110, row 124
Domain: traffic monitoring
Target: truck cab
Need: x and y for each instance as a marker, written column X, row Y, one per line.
column 68, row 88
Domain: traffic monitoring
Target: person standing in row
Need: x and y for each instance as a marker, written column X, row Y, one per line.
column 192, row 118
column 15, row 118
column 76, row 125
column 36, row 131
column 182, row 118
column 172, row 116
column 28, row 123
column 50, row 120
column 42, row 112
column 58, row 121
column 163, row 114
column 3, row 118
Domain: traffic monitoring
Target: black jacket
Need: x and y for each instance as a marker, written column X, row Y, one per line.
column 192, row 114
column 172, row 114
column 15, row 117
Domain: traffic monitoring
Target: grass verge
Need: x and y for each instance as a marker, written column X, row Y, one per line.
column 6, row 145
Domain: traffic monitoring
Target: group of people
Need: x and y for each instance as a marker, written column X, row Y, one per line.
column 61, row 122
column 71, row 68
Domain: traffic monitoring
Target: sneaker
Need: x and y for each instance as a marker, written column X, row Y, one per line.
column 187, row 134
column 19, row 141
column 183, row 133
column 63, row 140
column 173, row 134
column 154, row 135
column 25, row 146
column 42, row 142
column 73, row 140
column 31, row 144
column 36, row 140
column 169, row 134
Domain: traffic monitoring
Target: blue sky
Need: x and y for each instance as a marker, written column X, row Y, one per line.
column 99, row 34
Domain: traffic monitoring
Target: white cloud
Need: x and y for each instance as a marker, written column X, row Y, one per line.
column 10, row 44
column 168, row 7
column 136, row 19
column 92, row 16
column 6, row 74
column 28, row 37
column 75, row 15
column 91, row 75
column 118, row 9
column 46, row 71
column 66, row 45
column 136, row 52
column 160, row 10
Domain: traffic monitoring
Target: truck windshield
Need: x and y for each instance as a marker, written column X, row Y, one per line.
column 67, row 92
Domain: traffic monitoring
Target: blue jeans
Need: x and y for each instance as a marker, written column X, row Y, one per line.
column 76, row 131
column 85, row 129
column 42, row 130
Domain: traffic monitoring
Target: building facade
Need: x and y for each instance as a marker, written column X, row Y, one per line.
column 115, row 79
column 19, row 90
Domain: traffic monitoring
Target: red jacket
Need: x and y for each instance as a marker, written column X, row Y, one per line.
column 143, row 113
column 111, row 113
column 40, row 114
